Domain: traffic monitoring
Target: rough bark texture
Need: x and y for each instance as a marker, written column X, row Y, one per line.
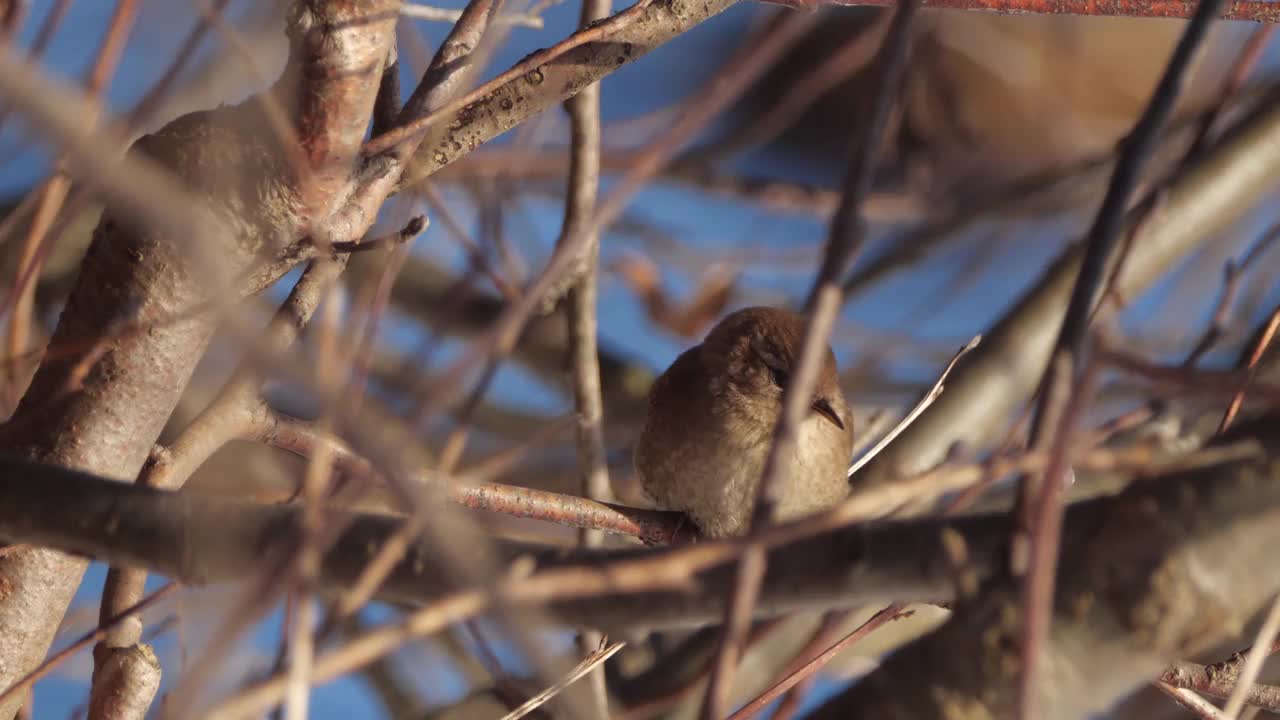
column 1163, row 572
column 131, row 279
column 563, row 77
column 133, row 330
column 126, row 680
column 1141, row 582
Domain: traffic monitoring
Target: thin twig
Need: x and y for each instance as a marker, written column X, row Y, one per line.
column 98, row 633
column 331, row 365
column 356, row 653
column 1038, row 511
column 925, row 402
column 1065, row 403
column 1245, row 61
column 417, row 126
column 411, row 229
column 470, row 488
column 475, row 256
column 846, row 235
column 580, row 202
column 885, row 616
column 789, row 706
column 849, row 59
column 1217, row 321
column 1206, row 383
column 1251, row 367
column 1263, row 11
column 54, row 194
column 47, row 29
column 588, row 664
column 654, row 705
column 1202, row 708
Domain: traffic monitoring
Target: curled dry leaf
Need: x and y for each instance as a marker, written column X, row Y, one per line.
column 687, row 320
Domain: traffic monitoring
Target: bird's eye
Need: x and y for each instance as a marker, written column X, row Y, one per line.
column 779, row 376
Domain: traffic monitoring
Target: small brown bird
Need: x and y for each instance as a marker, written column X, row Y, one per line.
column 711, row 421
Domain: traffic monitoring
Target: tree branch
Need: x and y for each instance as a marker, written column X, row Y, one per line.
column 1140, row 583
column 139, row 273
column 1002, row 372
column 1261, row 11
column 203, row 539
column 548, row 77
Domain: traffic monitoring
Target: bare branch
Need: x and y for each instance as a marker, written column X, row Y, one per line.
column 1221, row 680
column 1253, row 660
column 138, row 272
column 589, row 663
column 1000, row 374
column 1038, row 513
column 580, row 203
column 1199, row 706
column 846, row 236
column 751, row 709
column 1255, row 10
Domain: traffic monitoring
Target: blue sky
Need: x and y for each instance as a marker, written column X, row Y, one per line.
column 707, row 223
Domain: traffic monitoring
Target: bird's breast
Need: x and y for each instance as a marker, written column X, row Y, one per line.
column 715, row 483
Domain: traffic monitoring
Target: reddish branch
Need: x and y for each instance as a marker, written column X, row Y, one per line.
column 846, row 235
column 1263, row 11
column 1250, row 366
column 885, row 616
column 1038, row 512
column 35, row 248
column 655, row 527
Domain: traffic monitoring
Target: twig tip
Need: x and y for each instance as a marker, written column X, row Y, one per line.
column 415, row 226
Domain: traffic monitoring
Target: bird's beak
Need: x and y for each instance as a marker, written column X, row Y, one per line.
column 823, row 408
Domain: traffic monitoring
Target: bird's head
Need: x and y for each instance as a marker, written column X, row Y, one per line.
column 750, row 355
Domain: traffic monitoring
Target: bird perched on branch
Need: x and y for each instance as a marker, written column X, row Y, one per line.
column 711, row 422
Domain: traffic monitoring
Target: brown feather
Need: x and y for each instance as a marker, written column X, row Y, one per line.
column 711, row 421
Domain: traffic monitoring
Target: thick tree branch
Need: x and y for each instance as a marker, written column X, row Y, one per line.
column 1158, row 573
column 551, row 77
column 142, row 274
column 1002, row 372
column 200, row 539
column 337, row 51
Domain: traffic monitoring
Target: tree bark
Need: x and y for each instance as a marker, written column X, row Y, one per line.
column 138, row 319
